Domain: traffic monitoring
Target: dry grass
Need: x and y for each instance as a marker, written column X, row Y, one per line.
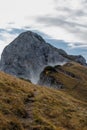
column 74, row 84
column 24, row 106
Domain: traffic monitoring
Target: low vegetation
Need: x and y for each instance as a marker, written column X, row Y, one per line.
column 72, row 77
column 24, row 106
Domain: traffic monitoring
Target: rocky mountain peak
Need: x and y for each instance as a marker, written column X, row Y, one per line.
column 29, row 54
column 29, row 34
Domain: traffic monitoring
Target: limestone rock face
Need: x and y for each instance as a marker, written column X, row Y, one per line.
column 28, row 54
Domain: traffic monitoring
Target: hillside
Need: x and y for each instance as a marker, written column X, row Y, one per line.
column 24, row 106
column 71, row 78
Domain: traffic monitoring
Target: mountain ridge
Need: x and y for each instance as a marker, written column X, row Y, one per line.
column 28, row 54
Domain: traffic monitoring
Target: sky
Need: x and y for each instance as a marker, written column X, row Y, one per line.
column 63, row 23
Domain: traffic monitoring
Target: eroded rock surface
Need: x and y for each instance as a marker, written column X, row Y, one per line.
column 28, row 54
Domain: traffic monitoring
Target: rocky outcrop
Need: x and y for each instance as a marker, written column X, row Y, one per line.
column 47, row 78
column 28, row 54
column 80, row 59
column 59, row 68
column 54, row 76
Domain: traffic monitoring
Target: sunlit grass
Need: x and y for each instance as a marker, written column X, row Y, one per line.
column 24, row 106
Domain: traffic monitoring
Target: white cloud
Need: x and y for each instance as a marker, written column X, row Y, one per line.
column 18, row 11
column 61, row 19
column 69, row 21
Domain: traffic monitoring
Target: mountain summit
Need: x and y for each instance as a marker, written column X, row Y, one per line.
column 29, row 54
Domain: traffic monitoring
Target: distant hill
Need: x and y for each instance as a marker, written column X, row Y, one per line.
column 24, row 106
column 29, row 54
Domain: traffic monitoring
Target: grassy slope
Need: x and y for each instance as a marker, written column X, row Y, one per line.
column 24, row 106
column 77, row 85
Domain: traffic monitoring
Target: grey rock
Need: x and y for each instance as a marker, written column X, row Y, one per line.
column 77, row 58
column 80, row 59
column 48, row 79
column 28, row 55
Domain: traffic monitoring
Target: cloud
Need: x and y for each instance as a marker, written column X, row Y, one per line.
column 16, row 30
column 69, row 16
column 78, row 31
column 55, row 21
column 64, row 20
column 2, row 30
